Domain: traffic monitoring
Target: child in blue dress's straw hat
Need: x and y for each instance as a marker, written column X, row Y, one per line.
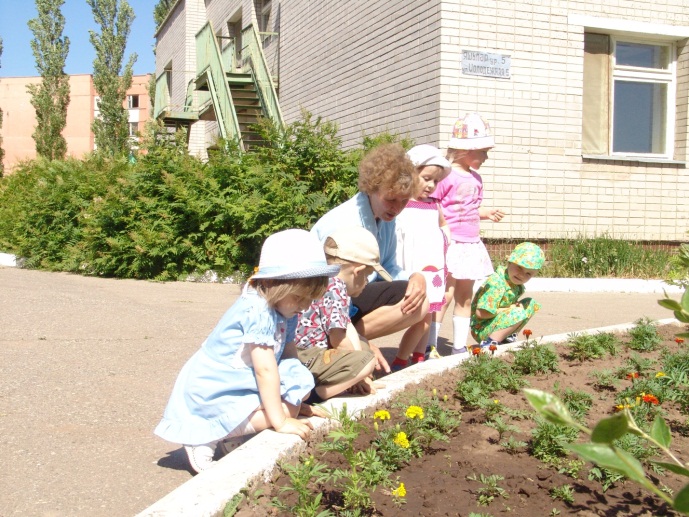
column 246, row 376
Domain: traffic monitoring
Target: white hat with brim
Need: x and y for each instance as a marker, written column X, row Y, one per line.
column 470, row 133
column 293, row 254
column 424, row 155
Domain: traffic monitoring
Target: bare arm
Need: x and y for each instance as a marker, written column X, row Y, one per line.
column 268, row 381
column 345, row 339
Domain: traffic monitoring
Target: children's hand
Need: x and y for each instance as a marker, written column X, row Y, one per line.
column 381, row 363
column 366, row 387
column 495, row 215
column 301, row 428
column 309, row 410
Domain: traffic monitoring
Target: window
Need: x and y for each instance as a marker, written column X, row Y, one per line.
column 132, row 101
column 133, row 129
column 263, row 8
column 629, row 90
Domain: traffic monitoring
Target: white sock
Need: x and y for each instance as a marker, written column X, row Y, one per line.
column 433, row 334
column 460, row 326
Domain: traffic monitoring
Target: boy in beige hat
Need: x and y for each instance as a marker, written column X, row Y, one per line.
column 327, row 342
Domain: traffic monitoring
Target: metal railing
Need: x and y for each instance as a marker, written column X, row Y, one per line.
column 252, row 54
column 209, row 62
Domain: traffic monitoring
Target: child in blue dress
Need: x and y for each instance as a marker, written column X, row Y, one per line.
column 246, row 376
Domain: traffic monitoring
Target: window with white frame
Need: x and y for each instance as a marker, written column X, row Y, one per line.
column 629, row 97
column 133, row 129
column 132, row 101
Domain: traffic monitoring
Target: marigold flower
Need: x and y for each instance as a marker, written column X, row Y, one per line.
column 414, row 412
column 476, row 350
column 660, row 374
column 679, row 340
column 381, row 414
column 400, row 491
column 633, row 375
column 375, row 426
column 435, row 393
column 527, row 333
column 496, row 401
column 401, row 440
column 492, row 349
column 651, row 399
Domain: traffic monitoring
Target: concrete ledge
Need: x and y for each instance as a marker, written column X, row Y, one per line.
column 8, row 260
column 206, row 494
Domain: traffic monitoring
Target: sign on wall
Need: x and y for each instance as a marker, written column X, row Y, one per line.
column 485, row 64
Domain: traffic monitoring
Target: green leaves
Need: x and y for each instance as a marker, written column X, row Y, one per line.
column 549, row 407
column 611, row 458
column 610, row 429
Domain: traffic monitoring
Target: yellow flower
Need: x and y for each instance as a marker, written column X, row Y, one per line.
column 496, row 401
column 660, row 374
column 375, row 426
column 401, row 440
column 414, row 412
column 382, row 414
column 400, row 491
column 435, row 393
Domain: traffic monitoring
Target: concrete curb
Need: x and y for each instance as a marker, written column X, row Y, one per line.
column 207, row 494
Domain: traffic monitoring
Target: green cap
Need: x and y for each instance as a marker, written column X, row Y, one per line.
column 527, row 255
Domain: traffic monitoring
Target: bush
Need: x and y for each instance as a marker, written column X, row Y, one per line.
column 168, row 214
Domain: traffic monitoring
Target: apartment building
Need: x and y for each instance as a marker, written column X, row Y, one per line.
column 588, row 100
column 19, row 116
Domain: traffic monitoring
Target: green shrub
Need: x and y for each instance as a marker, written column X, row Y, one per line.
column 533, row 358
column 644, row 336
column 587, row 347
column 168, row 214
column 604, row 256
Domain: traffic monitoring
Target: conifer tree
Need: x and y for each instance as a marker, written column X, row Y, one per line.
column 110, row 80
column 161, row 10
column 50, row 97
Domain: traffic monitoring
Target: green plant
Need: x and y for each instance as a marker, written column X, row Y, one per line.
column 501, row 427
column 604, row 380
column 513, row 446
column 602, row 451
column 533, row 358
column 644, row 336
column 604, row 256
column 484, row 376
column 635, row 367
column 303, row 476
column 550, row 440
column 565, row 493
column 490, row 490
column 587, row 347
column 578, row 402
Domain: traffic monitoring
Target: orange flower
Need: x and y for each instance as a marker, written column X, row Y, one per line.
column 527, row 333
column 679, row 340
column 493, row 348
column 476, row 350
column 651, row 399
column 634, row 375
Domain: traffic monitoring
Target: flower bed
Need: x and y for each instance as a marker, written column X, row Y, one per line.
column 499, row 458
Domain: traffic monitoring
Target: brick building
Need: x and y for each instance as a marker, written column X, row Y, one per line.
column 19, row 116
column 588, row 100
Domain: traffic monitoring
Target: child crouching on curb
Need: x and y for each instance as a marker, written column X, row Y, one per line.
column 497, row 313
column 327, row 342
column 246, row 377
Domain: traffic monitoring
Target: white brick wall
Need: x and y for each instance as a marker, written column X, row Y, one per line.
column 376, row 65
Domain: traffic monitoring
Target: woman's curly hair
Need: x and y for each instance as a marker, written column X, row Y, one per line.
column 387, row 168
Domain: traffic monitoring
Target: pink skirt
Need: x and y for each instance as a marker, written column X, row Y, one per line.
column 468, row 261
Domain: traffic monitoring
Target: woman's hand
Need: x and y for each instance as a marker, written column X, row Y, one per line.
column 415, row 294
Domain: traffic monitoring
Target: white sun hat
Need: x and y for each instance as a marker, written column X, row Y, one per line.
column 424, row 155
column 471, row 132
column 291, row 254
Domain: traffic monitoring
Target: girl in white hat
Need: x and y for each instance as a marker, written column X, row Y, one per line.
column 246, row 377
column 460, row 195
column 422, row 236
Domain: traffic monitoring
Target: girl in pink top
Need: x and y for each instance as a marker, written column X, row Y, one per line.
column 460, row 195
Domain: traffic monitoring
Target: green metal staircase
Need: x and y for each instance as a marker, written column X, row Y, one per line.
column 236, row 95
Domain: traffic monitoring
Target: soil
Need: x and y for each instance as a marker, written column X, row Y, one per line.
column 437, row 482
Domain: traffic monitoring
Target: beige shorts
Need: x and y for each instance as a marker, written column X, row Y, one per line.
column 331, row 366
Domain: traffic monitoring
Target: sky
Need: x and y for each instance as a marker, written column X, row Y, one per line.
column 17, row 60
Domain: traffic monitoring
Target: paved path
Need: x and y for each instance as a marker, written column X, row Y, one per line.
column 87, row 365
